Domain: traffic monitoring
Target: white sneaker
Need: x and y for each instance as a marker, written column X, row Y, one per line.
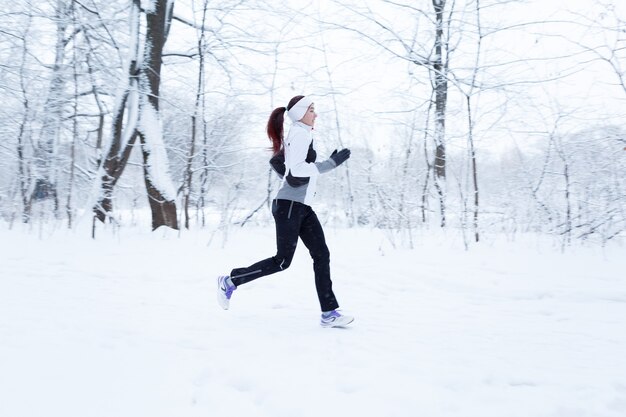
column 335, row 319
column 225, row 288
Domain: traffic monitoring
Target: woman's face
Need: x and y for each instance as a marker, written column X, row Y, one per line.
column 310, row 116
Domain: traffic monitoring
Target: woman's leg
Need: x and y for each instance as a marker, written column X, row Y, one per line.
column 312, row 236
column 287, row 215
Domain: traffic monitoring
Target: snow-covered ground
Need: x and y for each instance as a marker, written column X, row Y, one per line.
column 128, row 326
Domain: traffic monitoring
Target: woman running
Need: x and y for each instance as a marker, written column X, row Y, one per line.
column 295, row 161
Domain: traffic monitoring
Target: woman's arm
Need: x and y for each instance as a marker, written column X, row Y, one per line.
column 278, row 164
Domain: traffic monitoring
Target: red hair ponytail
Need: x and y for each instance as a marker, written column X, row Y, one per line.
column 275, row 124
column 275, row 128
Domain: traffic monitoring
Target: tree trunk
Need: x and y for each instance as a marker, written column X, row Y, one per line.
column 470, row 136
column 441, row 98
column 568, row 207
column 70, row 187
column 429, row 167
column 45, row 176
column 22, row 166
column 194, row 119
column 119, row 149
column 96, row 95
column 161, row 193
column 472, row 151
column 141, row 96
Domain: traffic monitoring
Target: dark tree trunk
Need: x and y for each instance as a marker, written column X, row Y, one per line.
column 440, row 69
column 116, row 158
column 142, row 99
column 441, row 92
column 163, row 206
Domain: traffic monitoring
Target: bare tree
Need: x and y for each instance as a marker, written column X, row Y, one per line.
column 23, row 136
column 439, row 66
column 469, row 94
column 45, row 167
column 613, row 51
column 141, row 97
column 70, row 186
column 198, row 113
column 435, row 60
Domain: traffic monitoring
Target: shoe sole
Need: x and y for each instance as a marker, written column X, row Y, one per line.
column 341, row 322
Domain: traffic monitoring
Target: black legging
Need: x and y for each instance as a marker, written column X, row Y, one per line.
column 295, row 220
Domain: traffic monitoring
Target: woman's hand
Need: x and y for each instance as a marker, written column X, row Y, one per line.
column 341, row 156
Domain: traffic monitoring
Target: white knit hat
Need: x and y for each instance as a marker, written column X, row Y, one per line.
column 299, row 109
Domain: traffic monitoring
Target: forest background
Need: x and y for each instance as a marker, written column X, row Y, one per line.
column 479, row 117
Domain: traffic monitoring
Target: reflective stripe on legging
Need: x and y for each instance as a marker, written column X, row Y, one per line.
column 249, row 273
column 290, row 207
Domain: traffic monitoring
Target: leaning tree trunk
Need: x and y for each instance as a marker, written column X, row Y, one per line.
column 122, row 137
column 141, row 97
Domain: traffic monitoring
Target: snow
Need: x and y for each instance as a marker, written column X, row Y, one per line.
column 131, row 120
column 128, row 325
column 157, row 165
column 149, row 6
